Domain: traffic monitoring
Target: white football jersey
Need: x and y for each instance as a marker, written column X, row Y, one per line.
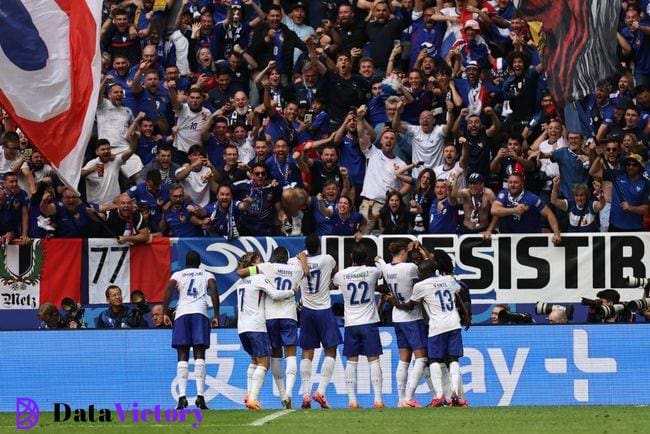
column 251, row 292
column 357, row 284
column 437, row 294
column 399, row 278
column 315, row 288
column 192, row 285
column 284, row 277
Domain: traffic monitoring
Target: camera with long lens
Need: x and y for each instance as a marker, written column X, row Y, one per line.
column 506, row 317
column 637, row 282
column 141, row 307
column 637, row 305
column 542, row 308
column 74, row 312
column 604, row 311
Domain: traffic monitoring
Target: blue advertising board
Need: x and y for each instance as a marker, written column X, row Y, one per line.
column 507, row 365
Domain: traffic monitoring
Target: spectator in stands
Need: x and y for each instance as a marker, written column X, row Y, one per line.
column 71, row 217
column 476, row 202
column 382, row 164
column 443, row 215
column 155, row 194
column 629, row 195
column 582, row 210
column 521, row 211
column 224, row 215
column 163, row 164
column 102, row 173
column 344, row 220
column 191, row 117
column 119, row 315
column 183, row 217
column 393, row 216
column 125, row 223
column 14, row 211
column 199, row 176
column 259, row 218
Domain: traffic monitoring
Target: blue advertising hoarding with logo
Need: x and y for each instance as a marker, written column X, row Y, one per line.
column 507, row 365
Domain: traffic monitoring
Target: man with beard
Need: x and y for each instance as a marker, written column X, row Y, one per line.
column 224, row 92
column 352, row 35
column 151, row 99
column 451, row 163
column 349, row 87
column 224, row 215
column 14, row 210
column 122, row 76
column 191, row 119
column 424, row 33
column 478, row 138
column 520, row 90
column 477, row 202
column 521, row 211
column 102, row 173
column 507, row 157
column 381, row 32
column 183, row 217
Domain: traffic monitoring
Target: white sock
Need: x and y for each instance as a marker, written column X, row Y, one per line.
column 454, row 370
column 376, row 379
column 326, row 372
column 446, row 380
column 414, row 377
column 291, row 374
column 278, row 375
column 199, row 375
column 258, row 381
column 401, row 375
column 427, row 378
column 182, row 372
column 436, row 379
column 249, row 377
column 305, row 377
column 351, row 381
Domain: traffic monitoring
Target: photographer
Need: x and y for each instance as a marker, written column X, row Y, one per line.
column 51, row 317
column 558, row 316
column 118, row 315
column 607, row 308
column 494, row 317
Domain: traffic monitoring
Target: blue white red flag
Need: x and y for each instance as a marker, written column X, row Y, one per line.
column 49, row 75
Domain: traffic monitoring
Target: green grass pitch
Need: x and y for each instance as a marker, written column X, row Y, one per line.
column 502, row 420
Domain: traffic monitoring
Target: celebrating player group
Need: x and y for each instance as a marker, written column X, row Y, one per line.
column 415, row 282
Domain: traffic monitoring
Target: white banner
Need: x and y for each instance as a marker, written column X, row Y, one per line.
column 109, row 263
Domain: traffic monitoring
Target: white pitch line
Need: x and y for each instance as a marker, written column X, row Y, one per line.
column 270, row 417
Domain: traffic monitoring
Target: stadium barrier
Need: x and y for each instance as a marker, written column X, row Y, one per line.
column 514, row 269
column 503, row 366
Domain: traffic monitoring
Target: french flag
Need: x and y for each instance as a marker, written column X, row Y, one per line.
column 50, row 65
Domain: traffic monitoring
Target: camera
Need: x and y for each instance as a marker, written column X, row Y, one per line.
column 506, row 317
column 590, row 302
column 636, row 305
column 141, row 306
column 74, row 312
column 542, row 308
column 637, row 282
column 606, row 311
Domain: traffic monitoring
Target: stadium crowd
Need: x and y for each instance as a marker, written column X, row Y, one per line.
column 233, row 117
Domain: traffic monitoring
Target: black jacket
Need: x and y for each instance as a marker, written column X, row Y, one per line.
column 263, row 51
